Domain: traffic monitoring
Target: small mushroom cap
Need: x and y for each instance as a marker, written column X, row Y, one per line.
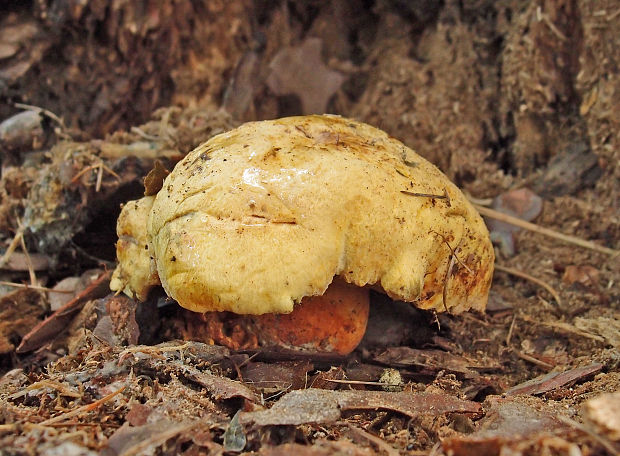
column 259, row 217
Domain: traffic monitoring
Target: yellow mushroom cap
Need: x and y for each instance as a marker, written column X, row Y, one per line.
column 136, row 272
column 259, row 217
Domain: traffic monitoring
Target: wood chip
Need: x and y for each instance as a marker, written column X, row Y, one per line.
column 323, row 406
column 554, row 380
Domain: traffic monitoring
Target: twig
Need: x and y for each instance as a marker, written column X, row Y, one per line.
column 523, row 275
column 84, row 408
column 249, row 359
column 435, row 451
column 153, row 351
column 39, row 110
column 468, row 316
column 12, row 246
column 380, row 443
column 82, row 172
column 444, row 290
column 149, row 350
column 401, row 173
column 479, row 201
column 145, row 135
column 33, row 287
column 31, row 274
column 356, row 382
column 545, row 18
column 62, row 389
column 424, row 195
column 510, row 330
column 100, row 167
column 436, row 319
column 453, row 257
column 453, row 250
column 565, row 327
column 279, row 393
column 99, row 177
column 429, row 195
column 533, row 360
column 614, row 15
column 78, row 424
column 99, row 261
column 487, row 212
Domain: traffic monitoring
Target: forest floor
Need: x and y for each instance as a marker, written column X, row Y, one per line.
column 516, row 101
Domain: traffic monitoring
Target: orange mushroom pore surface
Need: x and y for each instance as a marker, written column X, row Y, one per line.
column 333, row 322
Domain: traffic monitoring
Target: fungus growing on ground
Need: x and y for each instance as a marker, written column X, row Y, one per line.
column 262, row 219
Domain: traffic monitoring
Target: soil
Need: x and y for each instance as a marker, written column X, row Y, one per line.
column 501, row 95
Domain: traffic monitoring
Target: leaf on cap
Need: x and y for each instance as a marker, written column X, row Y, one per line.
column 154, row 180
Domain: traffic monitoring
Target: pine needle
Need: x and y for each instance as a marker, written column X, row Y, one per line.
column 487, row 212
column 32, row 275
column 12, row 246
column 84, row 408
column 34, row 287
column 523, row 275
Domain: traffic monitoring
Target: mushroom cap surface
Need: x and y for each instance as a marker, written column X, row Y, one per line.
column 136, row 273
column 259, row 217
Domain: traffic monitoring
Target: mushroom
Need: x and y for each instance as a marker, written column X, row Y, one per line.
column 294, row 219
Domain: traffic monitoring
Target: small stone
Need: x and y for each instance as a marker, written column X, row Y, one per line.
column 522, row 203
column 392, row 380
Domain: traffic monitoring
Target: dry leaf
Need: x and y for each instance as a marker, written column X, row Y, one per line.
column 300, row 71
column 583, row 274
column 154, row 180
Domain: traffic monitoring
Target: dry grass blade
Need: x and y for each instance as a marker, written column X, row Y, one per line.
column 487, row 212
column 33, row 287
column 12, row 246
column 145, row 135
column 100, row 167
column 58, row 386
column 454, row 251
column 536, row 361
column 84, row 408
column 566, row 327
column 151, row 350
column 547, row 20
column 510, row 330
column 32, row 275
column 356, row 382
column 424, row 195
column 609, row 446
column 523, row 275
column 43, row 111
